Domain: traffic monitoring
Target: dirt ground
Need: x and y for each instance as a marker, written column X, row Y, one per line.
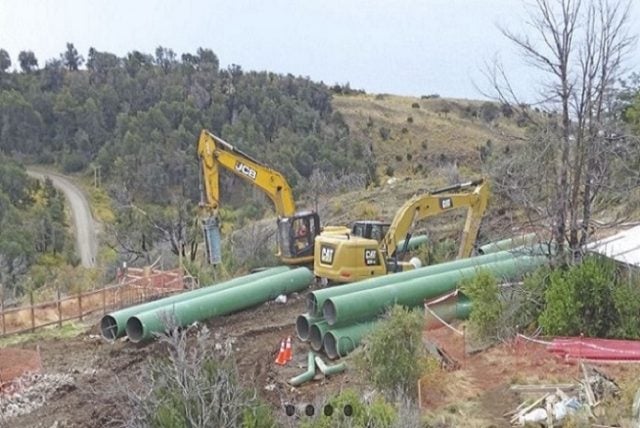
column 100, row 369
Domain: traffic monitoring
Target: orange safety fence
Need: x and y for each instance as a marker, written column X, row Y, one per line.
column 135, row 286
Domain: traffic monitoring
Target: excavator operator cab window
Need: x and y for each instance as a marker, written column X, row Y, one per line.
column 298, row 234
column 370, row 229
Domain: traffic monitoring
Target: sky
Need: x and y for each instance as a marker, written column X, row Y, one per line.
column 405, row 47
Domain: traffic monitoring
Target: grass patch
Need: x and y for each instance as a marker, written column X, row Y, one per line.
column 68, row 330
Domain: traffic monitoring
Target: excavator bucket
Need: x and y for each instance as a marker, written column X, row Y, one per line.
column 212, row 240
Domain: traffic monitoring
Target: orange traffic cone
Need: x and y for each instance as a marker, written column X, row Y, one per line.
column 288, row 353
column 280, row 359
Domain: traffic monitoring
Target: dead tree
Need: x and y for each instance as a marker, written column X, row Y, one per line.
column 580, row 47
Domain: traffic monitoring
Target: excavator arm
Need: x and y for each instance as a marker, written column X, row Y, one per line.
column 438, row 202
column 215, row 153
column 296, row 230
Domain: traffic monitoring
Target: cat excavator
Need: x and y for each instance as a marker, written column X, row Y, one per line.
column 296, row 230
column 351, row 257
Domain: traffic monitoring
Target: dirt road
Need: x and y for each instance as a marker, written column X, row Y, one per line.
column 86, row 241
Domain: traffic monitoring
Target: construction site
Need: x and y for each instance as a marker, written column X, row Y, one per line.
column 290, row 330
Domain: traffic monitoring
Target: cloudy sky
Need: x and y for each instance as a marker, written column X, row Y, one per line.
column 410, row 47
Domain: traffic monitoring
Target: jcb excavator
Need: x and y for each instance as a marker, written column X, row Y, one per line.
column 349, row 257
column 296, row 230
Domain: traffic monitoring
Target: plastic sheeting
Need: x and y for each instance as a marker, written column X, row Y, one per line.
column 583, row 348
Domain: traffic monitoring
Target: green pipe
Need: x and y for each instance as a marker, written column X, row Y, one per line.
column 414, row 242
column 448, row 311
column 316, row 334
column 315, row 300
column 507, row 244
column 339, row 342
column 145, row 324
column 367, row 304
column 308, row 375
column 329, row 370
column 303, row 324
column 113, row 324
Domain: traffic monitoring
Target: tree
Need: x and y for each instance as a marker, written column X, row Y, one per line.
column 5, row 61
column 72, row 60
column 28, row 61
column 580, row 46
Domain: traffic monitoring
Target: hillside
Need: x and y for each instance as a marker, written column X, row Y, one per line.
column 426, row 137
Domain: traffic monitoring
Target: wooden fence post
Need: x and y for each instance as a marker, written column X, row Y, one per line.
column 104, row 301
column 4, row 328
column 59, row 306
column 33, row 315
column 80, row 305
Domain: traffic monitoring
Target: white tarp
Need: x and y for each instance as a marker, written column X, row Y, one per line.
column 623, row 247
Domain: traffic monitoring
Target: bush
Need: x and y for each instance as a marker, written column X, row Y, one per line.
column 410, row 119
column 580, row 299
column 378, row 414
column 73, row 162
column 483, row 290
column 415, row 105
column 393, row 355
column 385, row 133
column 191, row 386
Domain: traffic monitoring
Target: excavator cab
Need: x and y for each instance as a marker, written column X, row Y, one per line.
column 296, row 237
column 370, row 229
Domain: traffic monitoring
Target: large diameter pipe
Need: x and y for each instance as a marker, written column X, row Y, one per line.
column 367, row 304
column 113, row 324
column 447, row 311
column 315, row 300
column 144, row 325
column 414, row 242
column 303, row 325
column 507, row 244
column 339, row 342
column 316, row 334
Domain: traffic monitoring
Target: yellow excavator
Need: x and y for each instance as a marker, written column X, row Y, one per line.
column 296, row 230
column 351, row 257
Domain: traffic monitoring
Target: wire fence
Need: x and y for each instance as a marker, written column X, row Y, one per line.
column 136, row 286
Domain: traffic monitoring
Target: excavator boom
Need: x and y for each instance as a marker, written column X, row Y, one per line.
column 438, row 202
column 350, row 258
column 296, row 230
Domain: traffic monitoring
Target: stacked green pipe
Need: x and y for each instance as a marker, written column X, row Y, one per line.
column 350, row 311
column 113, row 324
column 367, row 304
column 315, row 300
column 507, row 244
column 143, row 326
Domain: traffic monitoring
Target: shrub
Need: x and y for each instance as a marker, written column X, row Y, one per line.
column 580, row 299
column 385, row 133
column 487, row 308
column 378, row 414
column 192, row 386
column 393, row 356
column 415, row 105
column 410, row 119
column 389, row 171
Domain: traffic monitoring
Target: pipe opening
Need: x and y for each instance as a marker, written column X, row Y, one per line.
column 330, row 344
column 315, row 337
column 135, row 329
column 302, row 327
column 329, row 311
column 312, row 304
column 109, row 327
